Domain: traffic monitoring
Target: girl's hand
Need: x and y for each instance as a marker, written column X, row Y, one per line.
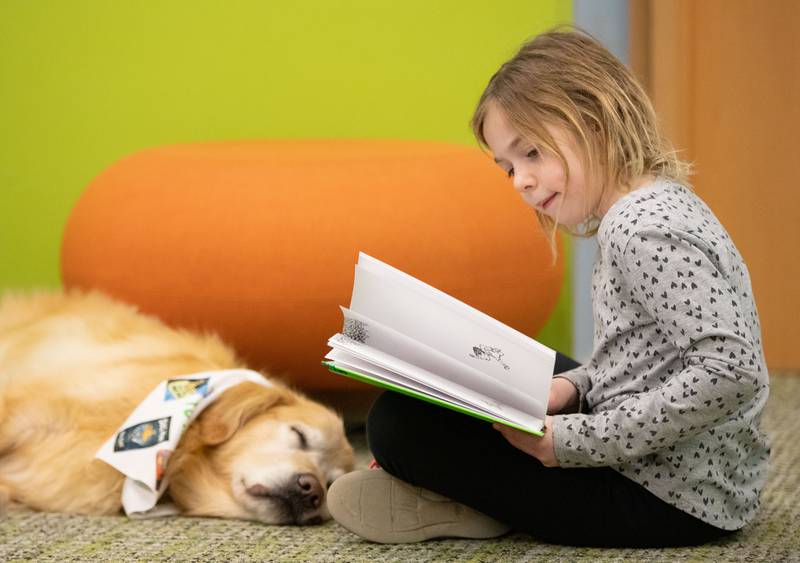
column 563, row 396
column 540, row 447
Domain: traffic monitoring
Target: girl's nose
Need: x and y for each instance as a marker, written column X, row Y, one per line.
column 524, row 182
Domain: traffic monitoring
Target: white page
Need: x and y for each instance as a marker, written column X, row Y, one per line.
column 407, row 349
column 392, row 364
column 453, row 305
column 456, row 330
column 478, row 317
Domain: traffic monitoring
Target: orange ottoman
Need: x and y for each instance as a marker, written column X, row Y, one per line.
column 258, row 240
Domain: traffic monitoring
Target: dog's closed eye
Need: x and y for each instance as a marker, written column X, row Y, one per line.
column 303, row 441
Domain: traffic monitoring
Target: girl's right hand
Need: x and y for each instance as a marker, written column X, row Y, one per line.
column 563, row 397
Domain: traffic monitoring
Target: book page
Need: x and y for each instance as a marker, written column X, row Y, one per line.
column 475, row 316
column 464, row 334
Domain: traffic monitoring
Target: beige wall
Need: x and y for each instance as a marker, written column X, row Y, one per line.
column 725, row 78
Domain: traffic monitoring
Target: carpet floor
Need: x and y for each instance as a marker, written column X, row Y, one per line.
column 773, row 537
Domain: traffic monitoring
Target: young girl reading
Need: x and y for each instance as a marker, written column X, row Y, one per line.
column 655, row 441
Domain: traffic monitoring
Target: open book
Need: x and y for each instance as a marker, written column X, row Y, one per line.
column 402, row 334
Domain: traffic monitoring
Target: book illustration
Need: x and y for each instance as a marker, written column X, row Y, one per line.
column 356, row 330
column 488, row 353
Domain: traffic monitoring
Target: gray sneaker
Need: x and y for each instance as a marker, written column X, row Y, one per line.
column 378, row 507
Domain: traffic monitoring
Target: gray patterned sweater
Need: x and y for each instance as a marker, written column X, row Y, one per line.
column 673, row 393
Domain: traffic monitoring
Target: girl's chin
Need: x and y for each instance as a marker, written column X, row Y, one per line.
column 567, row 221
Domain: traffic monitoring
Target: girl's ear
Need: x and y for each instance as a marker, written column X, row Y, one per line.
column 234, row 408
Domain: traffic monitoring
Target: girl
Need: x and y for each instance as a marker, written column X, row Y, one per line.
column 656, row 440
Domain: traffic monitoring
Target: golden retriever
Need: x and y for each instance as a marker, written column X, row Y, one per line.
column 74, row 365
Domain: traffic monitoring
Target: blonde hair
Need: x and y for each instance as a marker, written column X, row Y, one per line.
column 566, row 78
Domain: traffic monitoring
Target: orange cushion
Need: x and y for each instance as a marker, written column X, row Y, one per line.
column 257, row 240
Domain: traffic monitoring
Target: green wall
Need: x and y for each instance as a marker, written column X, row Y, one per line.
column 84, row 82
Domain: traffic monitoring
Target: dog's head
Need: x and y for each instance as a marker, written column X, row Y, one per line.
column 260, row 453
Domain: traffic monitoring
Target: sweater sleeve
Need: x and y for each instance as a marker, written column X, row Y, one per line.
column 680, row 283
column 582, row 382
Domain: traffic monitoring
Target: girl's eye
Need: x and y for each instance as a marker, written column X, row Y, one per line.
column 533, row 153
column 301, row 437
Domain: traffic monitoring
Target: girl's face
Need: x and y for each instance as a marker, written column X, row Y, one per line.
column 538, row 175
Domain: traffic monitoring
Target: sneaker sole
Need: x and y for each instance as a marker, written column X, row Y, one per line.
column 378, row 507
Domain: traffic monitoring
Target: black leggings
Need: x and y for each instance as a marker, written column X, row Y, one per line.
column 467, row 460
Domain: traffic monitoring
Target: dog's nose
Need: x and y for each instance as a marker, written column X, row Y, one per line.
column 310, row 490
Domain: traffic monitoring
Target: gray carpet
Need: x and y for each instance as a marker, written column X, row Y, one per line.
column 774, row 536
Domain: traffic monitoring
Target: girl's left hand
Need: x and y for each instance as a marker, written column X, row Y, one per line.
column 540, row 447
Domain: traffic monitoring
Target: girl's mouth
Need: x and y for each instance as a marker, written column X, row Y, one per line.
column 548, row 201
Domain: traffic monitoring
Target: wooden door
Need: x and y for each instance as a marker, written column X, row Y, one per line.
column 725, row 79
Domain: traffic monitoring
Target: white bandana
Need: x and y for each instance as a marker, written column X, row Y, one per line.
column 141, row 447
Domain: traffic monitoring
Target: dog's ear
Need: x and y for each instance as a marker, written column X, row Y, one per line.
column 234, row 408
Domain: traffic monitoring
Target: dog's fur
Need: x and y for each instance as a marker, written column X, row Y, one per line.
column 74, row 365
